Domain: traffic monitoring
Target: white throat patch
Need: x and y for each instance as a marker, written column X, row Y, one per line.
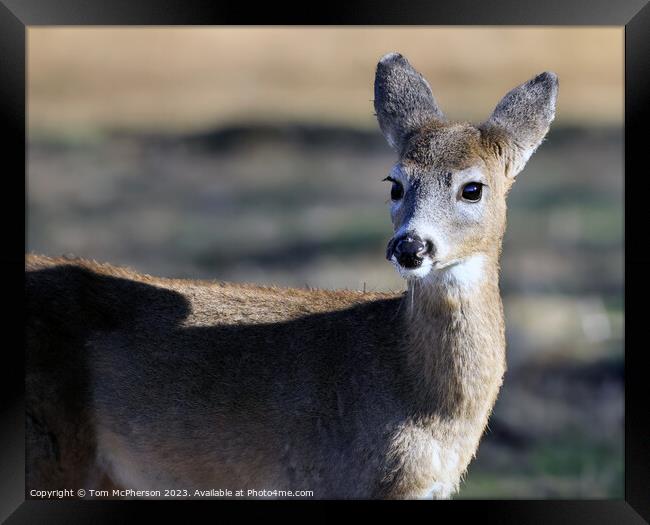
column 465, row 273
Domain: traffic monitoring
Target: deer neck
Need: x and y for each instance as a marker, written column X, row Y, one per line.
column 456, row 353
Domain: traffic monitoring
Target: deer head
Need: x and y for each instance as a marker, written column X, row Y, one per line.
column 449, row 187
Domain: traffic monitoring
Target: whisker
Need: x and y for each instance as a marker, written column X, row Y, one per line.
column 412, row 296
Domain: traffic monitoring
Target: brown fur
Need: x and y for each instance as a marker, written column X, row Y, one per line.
column 94, row 302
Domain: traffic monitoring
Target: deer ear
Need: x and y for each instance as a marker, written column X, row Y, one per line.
column 403, row 100
column 525, row 114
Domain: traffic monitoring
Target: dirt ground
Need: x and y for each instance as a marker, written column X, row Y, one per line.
column 181, row 79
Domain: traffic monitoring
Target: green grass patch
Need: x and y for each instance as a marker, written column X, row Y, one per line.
column 568, row 467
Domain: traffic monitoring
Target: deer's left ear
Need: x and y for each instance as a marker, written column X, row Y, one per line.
column 525, row 114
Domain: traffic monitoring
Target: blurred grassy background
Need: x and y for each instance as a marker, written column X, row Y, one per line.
column 223, row 152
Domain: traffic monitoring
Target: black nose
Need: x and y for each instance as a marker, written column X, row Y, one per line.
column 410, row 250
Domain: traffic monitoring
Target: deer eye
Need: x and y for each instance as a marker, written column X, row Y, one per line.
column 397, row 190
column 472, row 191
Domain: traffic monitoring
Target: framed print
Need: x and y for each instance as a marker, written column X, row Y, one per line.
column 382, row 254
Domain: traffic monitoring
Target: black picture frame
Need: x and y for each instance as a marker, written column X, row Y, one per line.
column 17, row 15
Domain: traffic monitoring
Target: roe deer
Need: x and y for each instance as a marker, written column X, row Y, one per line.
column 148, row 383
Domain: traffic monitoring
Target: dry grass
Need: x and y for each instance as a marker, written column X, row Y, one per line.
column 184, row 78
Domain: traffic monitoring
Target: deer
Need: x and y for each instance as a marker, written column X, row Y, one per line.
column 150, row 383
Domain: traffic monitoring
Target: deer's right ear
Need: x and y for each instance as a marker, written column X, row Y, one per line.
column 403, row 100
